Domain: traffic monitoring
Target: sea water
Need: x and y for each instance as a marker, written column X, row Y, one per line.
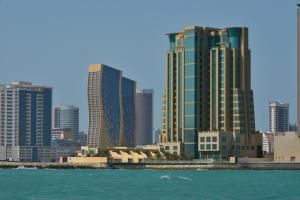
column 73, row 184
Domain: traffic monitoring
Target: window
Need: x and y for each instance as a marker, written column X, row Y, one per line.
column 214, row 139
column 214, row 146
column 167, row 148
column 202, row 139
column 208, row 146
column 202, row 146
column 175, row 148
column 223, row 138
column 208, row 139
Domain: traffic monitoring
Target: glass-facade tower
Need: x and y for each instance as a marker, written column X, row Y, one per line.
column 208, row 86
column 111, row 107
column 67, row 116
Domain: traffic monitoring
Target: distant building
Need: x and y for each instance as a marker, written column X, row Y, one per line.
column 67, row 116
column 292, row 127
column 143, row 117
column 156, row 134
column 111, row 107
column 82, row 138
column 268, row 142
column 208, row 91
column 25, row 122
column 298, row 68
column 62, row 134
column 286, row 147
column 278, row 117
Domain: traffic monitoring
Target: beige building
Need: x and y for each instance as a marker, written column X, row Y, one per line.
column 117, row 155
column 87, row 160
column 172, row 147
column 286, row 147
column 62, row 134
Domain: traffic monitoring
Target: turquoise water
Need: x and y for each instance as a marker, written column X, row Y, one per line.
column 76, row 184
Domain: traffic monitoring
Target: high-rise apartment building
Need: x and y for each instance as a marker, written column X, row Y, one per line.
column 144, row 117
column 208, row 94
column 278, row 117
column 298, row 69
column 67, row 116
column 111, row 104
column 25, row 122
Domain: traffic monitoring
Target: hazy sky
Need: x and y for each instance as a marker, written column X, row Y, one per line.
column 53, row 42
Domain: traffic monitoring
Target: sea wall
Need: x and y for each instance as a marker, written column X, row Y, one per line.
column 160, row 166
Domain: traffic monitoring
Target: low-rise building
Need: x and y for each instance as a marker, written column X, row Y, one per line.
column 215, row 144
column 62, row 134
column 175, row 148
column 286, row 147
column 117, row 154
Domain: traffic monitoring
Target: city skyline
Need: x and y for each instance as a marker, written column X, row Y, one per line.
column 52, row 65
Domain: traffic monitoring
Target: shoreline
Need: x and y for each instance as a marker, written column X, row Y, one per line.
column 154, row 166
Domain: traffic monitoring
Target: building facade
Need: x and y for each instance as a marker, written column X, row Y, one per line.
column 111, row 107
column 25, row 122
column 286, row 147
column 67, row 116
column 268, row 143
column 298, row 69
column 144, row 117
column 278, row 117
column 62, row 134
column 208, row 89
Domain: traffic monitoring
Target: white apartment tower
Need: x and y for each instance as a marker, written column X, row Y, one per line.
column 278, row 117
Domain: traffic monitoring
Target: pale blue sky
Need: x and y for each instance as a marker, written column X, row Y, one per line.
column 53, row 42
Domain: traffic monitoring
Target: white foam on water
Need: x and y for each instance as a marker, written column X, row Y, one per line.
column 199, row 169
column 22, row 167
column 184, row 178
column 165, row 177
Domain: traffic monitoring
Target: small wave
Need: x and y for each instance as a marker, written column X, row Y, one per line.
column 184, row 178
column 22, row 167
column 199, row 169
column 165, row 176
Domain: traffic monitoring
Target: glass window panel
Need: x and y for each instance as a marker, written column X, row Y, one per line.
column 190, row 96
column 190, row 109
column 190, row 56
column 189, row 83
column 189, row 122
column 190, row 70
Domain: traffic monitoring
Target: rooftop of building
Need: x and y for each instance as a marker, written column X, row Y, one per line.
column 144, row 91
column 63, row 106
column 22, row 84
column 276, row 103
column 99, row 67
column 285, row 133
column 204, row 28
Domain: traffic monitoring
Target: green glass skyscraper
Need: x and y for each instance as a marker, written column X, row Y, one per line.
column 208, row 93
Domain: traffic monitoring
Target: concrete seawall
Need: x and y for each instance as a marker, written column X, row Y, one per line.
column 158, row 166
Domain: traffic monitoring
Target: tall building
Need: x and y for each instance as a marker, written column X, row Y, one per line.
column 111, row 104
column 298, row 69
column 144, row 117
column 156, row 134
column 278, row 117
column 25, row 122
column 67, row 116
column 208, row 93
